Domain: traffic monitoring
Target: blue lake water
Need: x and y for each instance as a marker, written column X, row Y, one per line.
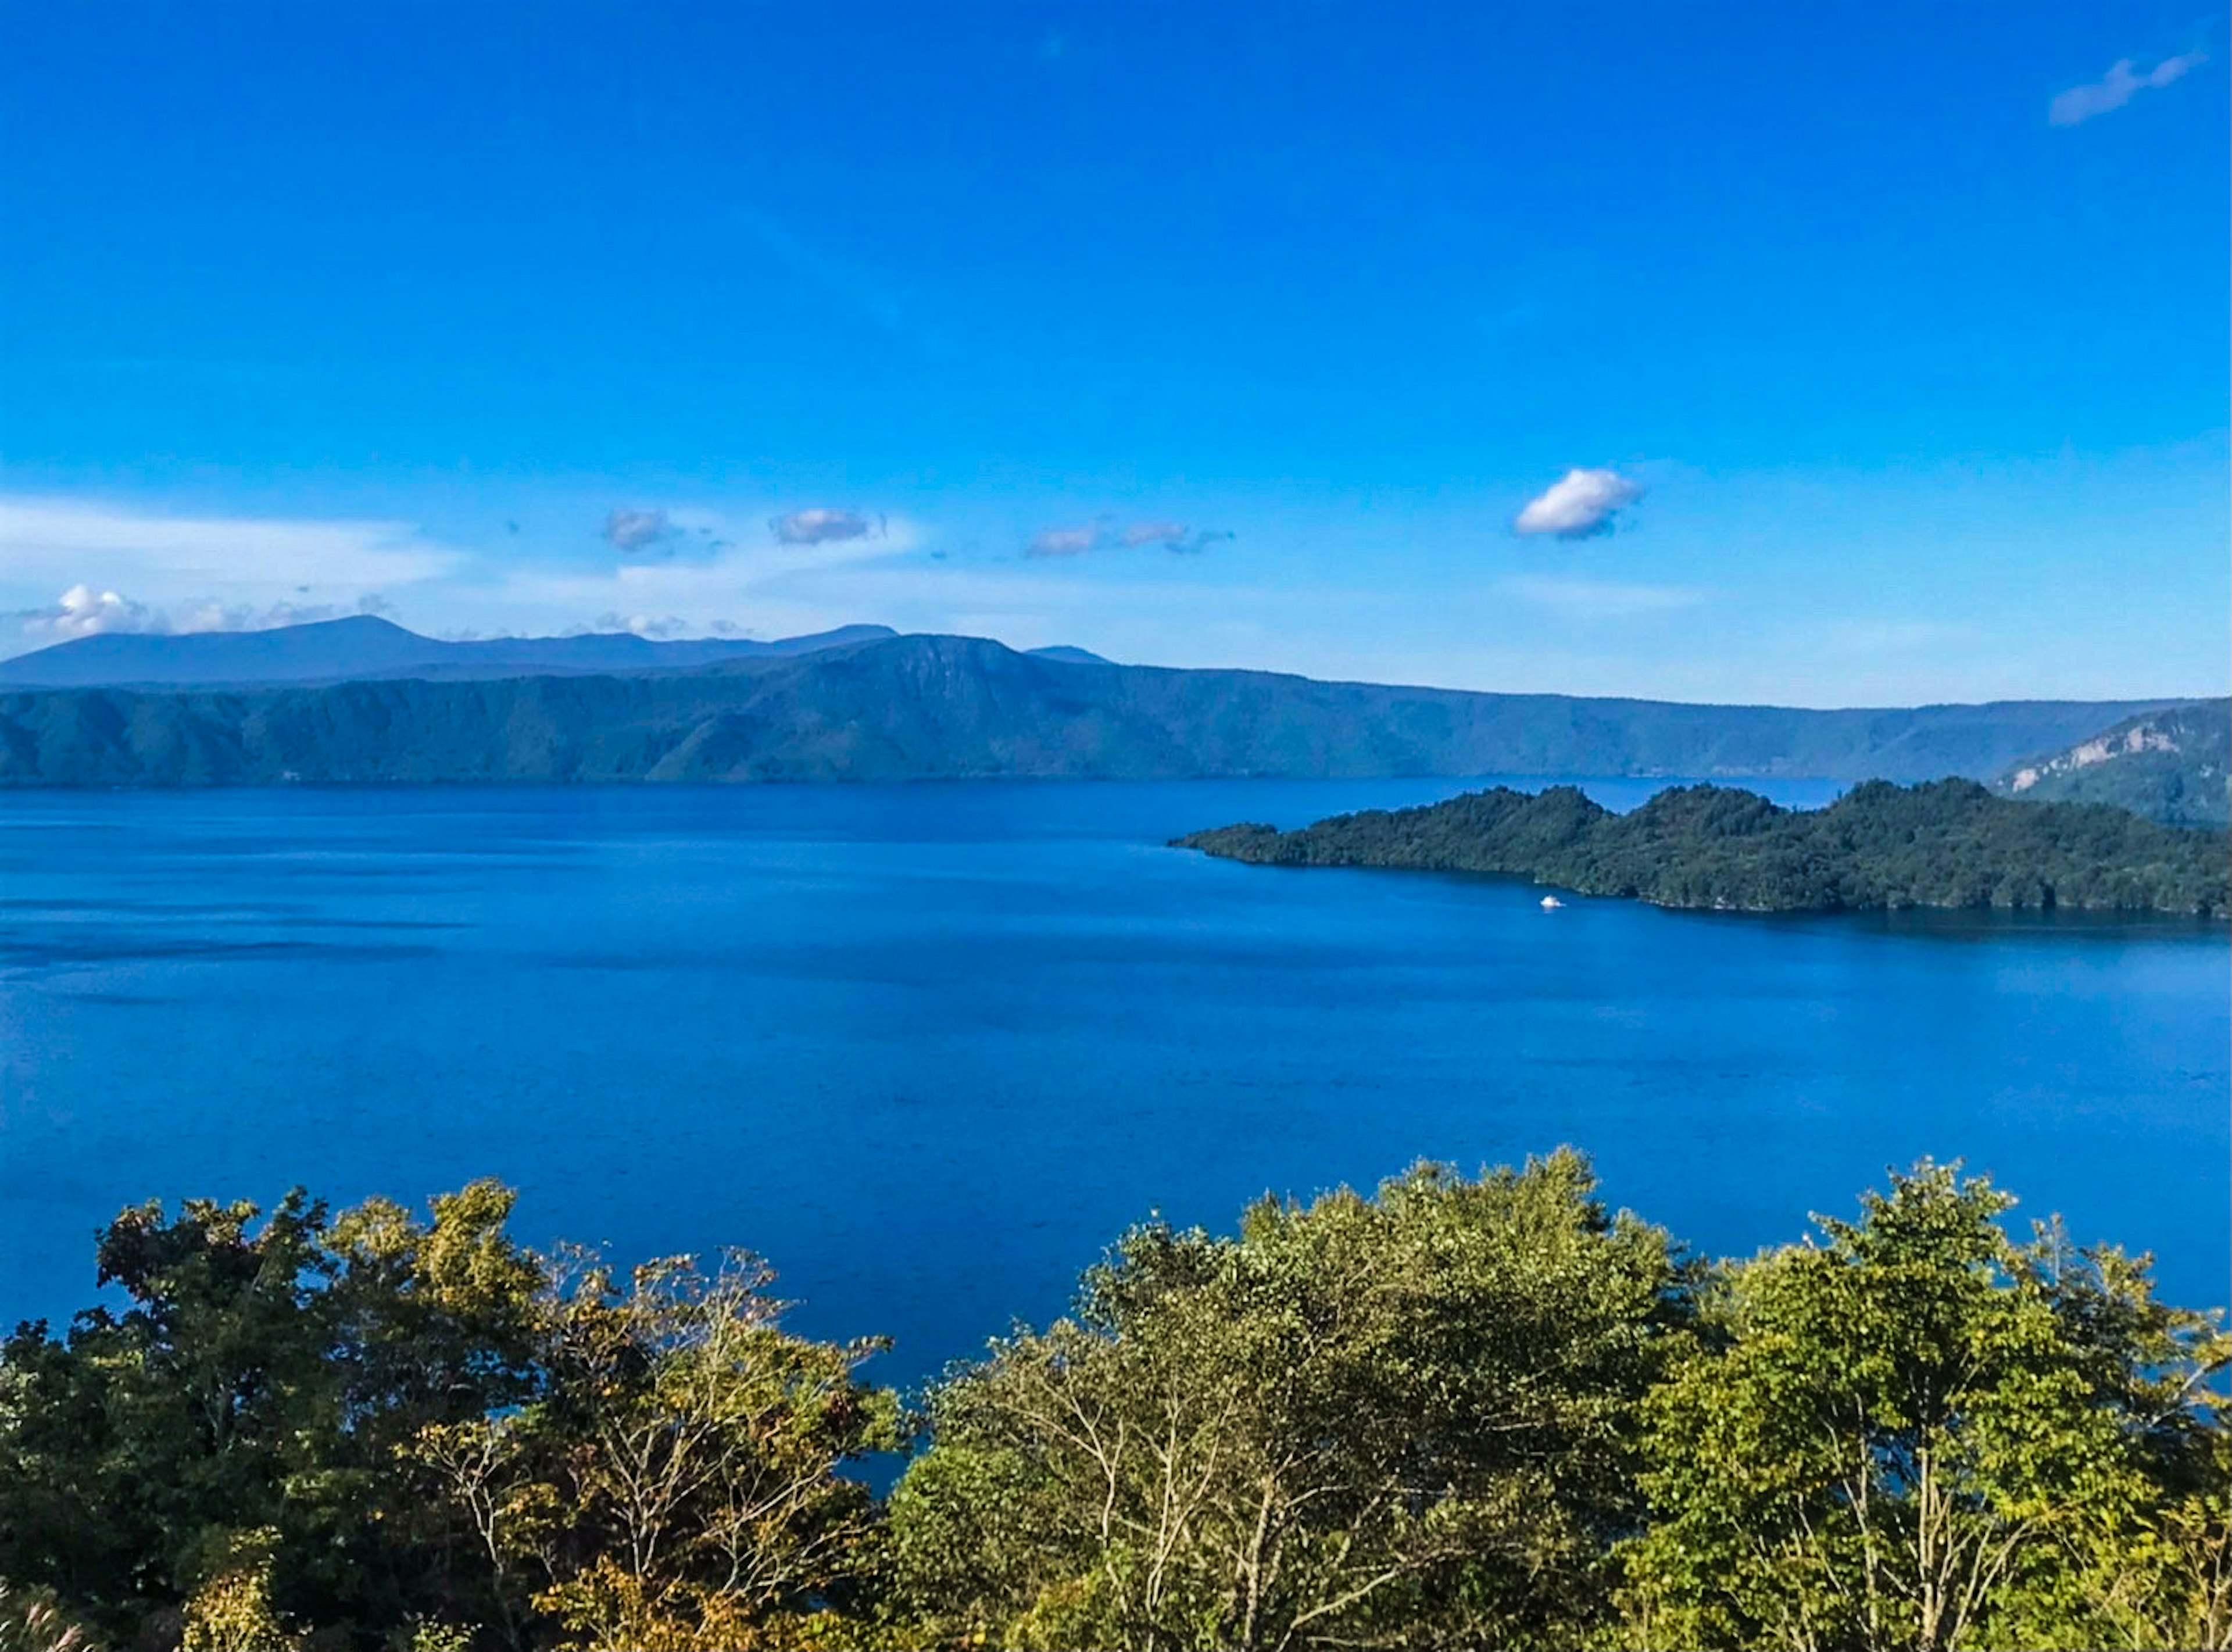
column 928, row 1048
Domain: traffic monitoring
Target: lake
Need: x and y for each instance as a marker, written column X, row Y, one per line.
column 928, row 1048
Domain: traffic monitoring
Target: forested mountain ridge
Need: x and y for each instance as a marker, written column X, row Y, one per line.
column 924, row 707
column 1946, row 844
column 2172, row 765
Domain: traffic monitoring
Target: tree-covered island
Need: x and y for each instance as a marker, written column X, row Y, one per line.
column 1945, row 844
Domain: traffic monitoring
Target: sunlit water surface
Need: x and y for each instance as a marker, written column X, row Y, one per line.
column 929, row 1048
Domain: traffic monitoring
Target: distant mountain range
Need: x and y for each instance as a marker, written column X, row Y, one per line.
column 366, row 646
column 2172, row 765
column 921, row 707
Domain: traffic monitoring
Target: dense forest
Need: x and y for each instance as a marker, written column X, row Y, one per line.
column 1947, row 844
column 1461, row 1411
column 953, row 708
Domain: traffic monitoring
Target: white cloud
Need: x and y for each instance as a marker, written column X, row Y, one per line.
column 1321, row 602
column 1175, row 537
column 122, row 569
column 636, row 530
column 818, row 527
column 1170, row 535
column 750, row 583
column 1599, row 599
column 1154, row 533
column 82, row 611
column 2117, row 87
column 1063, row 541
column 1580, row 504
column 657, row 627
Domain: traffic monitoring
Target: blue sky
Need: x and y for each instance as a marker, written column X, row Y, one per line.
column 1891, row 342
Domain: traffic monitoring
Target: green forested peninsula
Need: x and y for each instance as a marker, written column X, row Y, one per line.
column 1946, row 844
column 1464, row 1411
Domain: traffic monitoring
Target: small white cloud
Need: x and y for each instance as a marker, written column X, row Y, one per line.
column 84, row 612
column 656, row 627
column 819, row 527
column 1175, row 537
column 1580, row 505
column 2118, row 87
column 1102, row 535
column 1154, row 533
column 637, row 530
column 1063, row 541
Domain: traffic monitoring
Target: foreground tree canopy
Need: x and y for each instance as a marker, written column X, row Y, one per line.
column 1475, row 1411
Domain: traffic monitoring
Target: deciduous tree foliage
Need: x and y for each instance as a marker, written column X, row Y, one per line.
column 1476, row 1410
column 1916, row 1433
column 671, row 1484
column 367, row 1429
column 1359, row 1422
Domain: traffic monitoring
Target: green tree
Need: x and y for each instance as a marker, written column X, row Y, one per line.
column 252, row 1393
column 440, row 1325
column 1361, row 1423
column 177, row 1420
column 1461, row 1411
column 1916, row 1433
column 676, row 1483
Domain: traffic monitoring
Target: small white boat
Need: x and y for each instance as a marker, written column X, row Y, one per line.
column 1551, row 903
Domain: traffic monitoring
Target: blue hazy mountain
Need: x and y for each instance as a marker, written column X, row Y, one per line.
column 366, row 646
column 1069, row 656
column 928, row 707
